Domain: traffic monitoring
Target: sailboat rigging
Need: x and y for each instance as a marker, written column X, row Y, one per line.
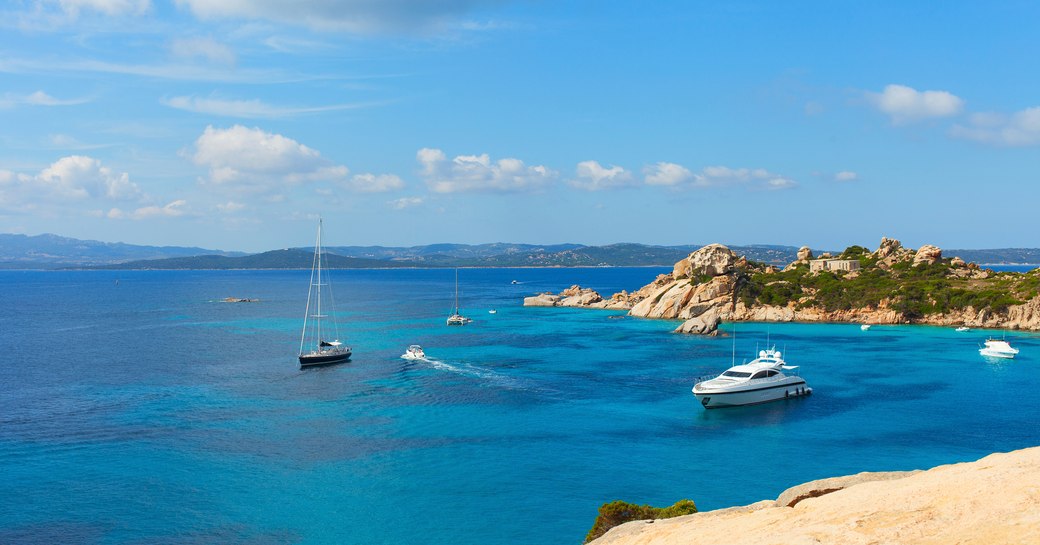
column 456, row 317
column 320, row 306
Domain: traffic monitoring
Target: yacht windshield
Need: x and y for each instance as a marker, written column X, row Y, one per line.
column 737, row 374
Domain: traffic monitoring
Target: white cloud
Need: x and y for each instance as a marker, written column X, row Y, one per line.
column 846, row 176
column 591, row 176
column 1021, row 128
column 107, row 7
column 356, row 16
column 203, row 48
column 171, row 210
column 667, row 174
column 405, row 202
column 249, row 109
column 231, row 207
column 38, row 98
column 720, row 176
column 905, row 104
column 373, row 183
column 468, row 173
column 71, row 179
column 252, row 160
column 79, row 177
column 774, row 184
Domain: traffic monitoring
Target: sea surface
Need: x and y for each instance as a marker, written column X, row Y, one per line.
column 135, row 408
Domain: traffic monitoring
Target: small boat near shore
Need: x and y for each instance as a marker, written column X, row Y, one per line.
column 962, row 329
column 998, row 348
column 758, row 381
column 865, row 327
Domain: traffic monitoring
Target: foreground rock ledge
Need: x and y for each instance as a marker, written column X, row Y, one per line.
column 995, row 500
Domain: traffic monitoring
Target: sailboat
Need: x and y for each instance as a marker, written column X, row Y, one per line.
column 456, row 317
column 319, row 344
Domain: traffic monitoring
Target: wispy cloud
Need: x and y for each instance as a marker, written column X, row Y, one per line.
column 477, row 173
column 203, row 48
column 405, row 202
column 678, row 176
column 251, row 109
column 846, row 176
column 592, row 176
column 905, row 104
column 353, row 16
column 171, row 210
column 1021, row 128
column 38, row 98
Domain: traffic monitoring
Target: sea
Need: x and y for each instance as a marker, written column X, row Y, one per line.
column 136, row 408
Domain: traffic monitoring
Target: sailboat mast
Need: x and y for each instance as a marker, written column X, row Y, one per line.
column 456, row 291
column 315, row 269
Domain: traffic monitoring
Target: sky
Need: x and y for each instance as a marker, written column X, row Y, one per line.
column 235, row 124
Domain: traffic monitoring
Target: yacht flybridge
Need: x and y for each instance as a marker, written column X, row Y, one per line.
column 757, row 381
column 998, row 348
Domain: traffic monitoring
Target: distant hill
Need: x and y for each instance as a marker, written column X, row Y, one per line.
column 51, row 251
column 458, row 255
column 998, row 256
column 294, row 258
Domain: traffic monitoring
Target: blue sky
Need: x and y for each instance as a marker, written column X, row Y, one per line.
column 232, row 124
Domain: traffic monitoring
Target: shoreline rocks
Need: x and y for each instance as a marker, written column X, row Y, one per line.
column 990, row 501
column 703, row 290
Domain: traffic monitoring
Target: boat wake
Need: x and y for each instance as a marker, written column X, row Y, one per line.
column 474, row 371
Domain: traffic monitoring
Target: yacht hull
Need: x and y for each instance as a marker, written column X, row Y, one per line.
column 717, row 398
column 324, row 358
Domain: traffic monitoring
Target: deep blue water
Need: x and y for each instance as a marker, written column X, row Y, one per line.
column 135, row 409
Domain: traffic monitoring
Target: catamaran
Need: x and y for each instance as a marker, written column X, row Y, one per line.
column 319, row 343
column 456, row 317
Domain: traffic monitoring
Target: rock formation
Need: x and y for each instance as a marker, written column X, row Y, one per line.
column 705, row 288
column 928, row 254
column 988, row 502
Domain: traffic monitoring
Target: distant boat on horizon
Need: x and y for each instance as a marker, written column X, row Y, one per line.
column 315, row 333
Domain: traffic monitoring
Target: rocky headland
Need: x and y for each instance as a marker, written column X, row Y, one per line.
column 995, row 500
column 891, row 285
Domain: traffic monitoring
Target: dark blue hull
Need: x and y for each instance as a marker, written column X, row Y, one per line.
column 309, row 360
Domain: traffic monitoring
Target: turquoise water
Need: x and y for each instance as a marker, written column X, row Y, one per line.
column 135, row 409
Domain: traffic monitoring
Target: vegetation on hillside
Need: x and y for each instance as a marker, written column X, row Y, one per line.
column 914, row 291
column 619, row 512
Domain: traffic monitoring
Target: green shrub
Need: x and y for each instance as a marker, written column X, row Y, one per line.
column 619, row 512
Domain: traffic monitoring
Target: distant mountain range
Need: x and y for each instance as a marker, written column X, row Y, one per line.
column 54, row 252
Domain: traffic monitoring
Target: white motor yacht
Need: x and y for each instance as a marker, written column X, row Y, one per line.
column 962, row 329
column 757, row 381
column 998, row 348
column 414, row 352
column 865, row 327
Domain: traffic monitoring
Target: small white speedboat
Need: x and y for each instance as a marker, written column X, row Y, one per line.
column 998, row 348
column 757, row 381
column 865, row 327
column 414, row 352
column 492, row 311
column 962, row 328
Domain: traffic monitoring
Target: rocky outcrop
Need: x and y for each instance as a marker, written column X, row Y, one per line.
column 704, row 289
column 927, row 254
column 992, row 501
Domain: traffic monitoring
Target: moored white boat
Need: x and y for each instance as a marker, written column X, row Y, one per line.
column 998, row 348
column 962, row 328
column 865, row 327
column 759, row 381
column 414, row 352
